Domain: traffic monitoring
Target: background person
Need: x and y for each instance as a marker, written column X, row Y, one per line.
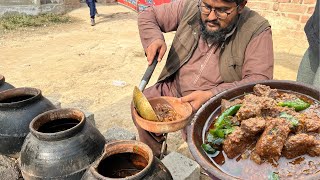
column 93, row 10
column 309, row 69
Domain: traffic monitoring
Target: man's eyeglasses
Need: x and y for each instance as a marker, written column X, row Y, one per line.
column 220, row 13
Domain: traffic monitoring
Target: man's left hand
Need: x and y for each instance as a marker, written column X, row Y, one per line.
column 197, row 98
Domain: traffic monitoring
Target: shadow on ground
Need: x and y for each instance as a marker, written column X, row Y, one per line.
column 117, row 16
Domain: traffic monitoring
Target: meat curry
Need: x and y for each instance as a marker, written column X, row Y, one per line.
column 267, row 134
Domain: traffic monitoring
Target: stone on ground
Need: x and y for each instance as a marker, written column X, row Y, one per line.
column 181, row 167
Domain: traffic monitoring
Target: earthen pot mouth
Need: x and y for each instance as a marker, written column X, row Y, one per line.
column 125, row 146
column 57, row 124
column 2, row 79
column 18, row 97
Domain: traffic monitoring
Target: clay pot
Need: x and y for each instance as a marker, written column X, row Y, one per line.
column 200, row 126
column 61, row 145
column 127, row 159
column 17, row 109
column 4, row 85
column 183, row 109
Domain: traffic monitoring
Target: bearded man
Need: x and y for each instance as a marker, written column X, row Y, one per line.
column 218, row 44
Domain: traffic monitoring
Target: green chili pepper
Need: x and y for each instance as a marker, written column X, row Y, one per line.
column 228, row 112
column 297, row 104
column 223, row 125
column 290, row 118
column 208, row 148
column 228, row 131
column 217, row 132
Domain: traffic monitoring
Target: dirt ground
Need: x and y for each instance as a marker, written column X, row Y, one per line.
column 80, row 65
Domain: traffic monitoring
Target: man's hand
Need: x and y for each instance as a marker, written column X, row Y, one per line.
column 156, row 46
column 197, row 98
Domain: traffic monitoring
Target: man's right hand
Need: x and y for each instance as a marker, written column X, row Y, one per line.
column 156, row 46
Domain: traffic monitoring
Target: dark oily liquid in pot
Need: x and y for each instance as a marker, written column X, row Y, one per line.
column 122, row 165
column 16, row 99
column 302, row 167
column 58, row 125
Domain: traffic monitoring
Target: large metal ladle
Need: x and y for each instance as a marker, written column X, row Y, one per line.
column 140, row 102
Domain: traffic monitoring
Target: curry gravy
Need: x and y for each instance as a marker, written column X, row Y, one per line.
column 302, row 167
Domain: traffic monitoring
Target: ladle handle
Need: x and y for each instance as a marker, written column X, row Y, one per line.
column 147, row 75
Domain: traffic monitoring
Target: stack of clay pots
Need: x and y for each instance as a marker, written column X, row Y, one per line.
column 53, row 143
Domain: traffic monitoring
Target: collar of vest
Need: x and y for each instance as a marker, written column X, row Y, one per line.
column 194, row 22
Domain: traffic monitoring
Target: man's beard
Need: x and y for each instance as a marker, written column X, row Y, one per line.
column 218, row 36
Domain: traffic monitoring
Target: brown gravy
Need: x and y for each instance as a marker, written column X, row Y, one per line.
column 302, row 167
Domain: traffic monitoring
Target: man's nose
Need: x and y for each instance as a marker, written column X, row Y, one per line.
column 212, row 16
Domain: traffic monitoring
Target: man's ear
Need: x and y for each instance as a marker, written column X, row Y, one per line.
column 241, row 6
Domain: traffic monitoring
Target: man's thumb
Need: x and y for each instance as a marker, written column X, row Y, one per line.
column 186, row 98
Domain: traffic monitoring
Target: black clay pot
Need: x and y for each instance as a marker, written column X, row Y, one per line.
column 127, row 159
column 17, row 109
column 61, row 145
column 4, row 85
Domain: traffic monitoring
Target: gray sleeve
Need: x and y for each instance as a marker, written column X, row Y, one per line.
column 312, row 29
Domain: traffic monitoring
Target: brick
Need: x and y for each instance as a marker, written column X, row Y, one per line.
column 118, row 133
column 296, row 1
column 294, row 16
column 310, row 10
column 275, row 7
column 309, row 2
column 260, row 5
column 283, row 1
column 295, row 8
column 181, row 167
column 304, row 19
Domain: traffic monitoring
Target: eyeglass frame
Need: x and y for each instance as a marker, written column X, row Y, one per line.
column 214, row 10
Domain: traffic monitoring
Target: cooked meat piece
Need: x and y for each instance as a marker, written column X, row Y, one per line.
column 263, row 90
column 249, row 107
column 310, row 121
column 248, row 110
column 271, row 142
column 314, row 108
column 298, row 145
column 315, row 150
column 267, row 103
column 236, row 143
column 286, row 96
column 252, row 126
column 276, row 110
column 225, row 104
column 252, row 106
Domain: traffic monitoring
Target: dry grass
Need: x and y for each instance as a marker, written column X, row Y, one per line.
column 18, row 21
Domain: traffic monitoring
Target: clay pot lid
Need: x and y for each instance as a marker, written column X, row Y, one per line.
column 183, row 109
